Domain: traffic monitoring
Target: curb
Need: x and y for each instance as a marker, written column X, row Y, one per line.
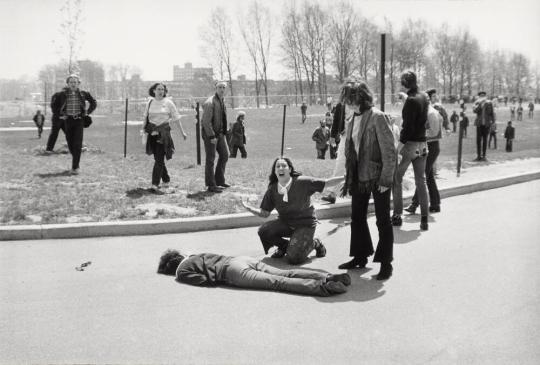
column 239, row 220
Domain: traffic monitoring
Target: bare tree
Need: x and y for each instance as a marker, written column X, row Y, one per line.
column 343, row 26
column 291, row 48
column 257, row 34
column 413, row 42
column 218, row 37
column 71, row 29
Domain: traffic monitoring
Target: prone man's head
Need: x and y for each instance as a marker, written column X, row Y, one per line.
column 169, row 261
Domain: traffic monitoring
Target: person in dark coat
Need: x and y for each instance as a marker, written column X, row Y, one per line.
column 238, row 136
column 463, row 123
column 413, row 149
column 303, row 110
column 485, row 116
column 39, row 120
column 207, row 269
column 321, row 137
column 214, row 134
column 69, row 109
column 520, row 112
column 509, row 134
column 454, row 118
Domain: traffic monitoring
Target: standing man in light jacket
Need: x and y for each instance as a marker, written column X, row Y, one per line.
column 214, row 131
column 69, row 108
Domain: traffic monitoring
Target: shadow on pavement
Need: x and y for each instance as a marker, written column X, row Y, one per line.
column 55, row 174
column 401, row 237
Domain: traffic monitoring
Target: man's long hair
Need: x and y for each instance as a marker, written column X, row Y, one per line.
column 272, row 178
column 169, row 261
column 357, row 94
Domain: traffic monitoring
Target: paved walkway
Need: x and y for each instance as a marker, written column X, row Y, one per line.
column 464, row 292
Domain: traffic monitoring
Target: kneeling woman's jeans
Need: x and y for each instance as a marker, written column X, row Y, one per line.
column 247, row 272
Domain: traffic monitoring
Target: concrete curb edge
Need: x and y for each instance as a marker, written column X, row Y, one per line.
column 228, row 221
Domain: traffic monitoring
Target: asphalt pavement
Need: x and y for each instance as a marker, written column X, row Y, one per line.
column 464, row 292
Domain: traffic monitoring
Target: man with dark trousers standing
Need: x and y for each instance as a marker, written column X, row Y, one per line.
column 485, row 116
column 214, row 131
column 69, row 108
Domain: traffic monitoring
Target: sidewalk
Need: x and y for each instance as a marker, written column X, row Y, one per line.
column 473, row 177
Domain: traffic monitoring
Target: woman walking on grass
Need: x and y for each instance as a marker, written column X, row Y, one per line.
column 160, row 112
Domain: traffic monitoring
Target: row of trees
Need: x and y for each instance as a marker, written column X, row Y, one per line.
column 321, row 45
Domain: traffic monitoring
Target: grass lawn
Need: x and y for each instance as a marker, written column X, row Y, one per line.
column 36, row 188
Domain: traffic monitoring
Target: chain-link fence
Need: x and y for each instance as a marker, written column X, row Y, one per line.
column 19, row 110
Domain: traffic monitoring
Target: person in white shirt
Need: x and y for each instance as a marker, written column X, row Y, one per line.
column 160, row 112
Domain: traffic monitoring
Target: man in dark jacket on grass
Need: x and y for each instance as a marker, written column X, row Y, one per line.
column 69, row 109
column 214, row 132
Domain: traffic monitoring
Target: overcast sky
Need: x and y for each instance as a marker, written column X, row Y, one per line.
column 157, row 34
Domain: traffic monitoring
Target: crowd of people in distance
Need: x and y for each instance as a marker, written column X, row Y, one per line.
column 372, row 154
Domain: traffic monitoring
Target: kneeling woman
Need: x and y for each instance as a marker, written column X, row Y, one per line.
column 290, row 194
column 159, row 114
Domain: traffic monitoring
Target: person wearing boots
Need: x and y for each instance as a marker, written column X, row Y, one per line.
column 370, row 160
column 412, row 148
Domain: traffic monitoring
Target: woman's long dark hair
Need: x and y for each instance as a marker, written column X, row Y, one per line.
column 272, row 178
column 357, row 93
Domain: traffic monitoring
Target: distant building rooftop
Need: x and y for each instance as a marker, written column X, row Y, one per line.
column 188, row 72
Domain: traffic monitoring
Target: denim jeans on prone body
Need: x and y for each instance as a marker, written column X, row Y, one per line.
column 415, row 153
column 247, row 272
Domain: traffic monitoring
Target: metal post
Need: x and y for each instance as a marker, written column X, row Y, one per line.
column 460, row 147
column 45, row 101
column 383, row 61
column 198, row 133
column 125, row 128
column 283, row 129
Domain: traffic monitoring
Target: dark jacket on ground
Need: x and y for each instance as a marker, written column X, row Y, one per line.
column 214, row 118
column 164, row 137
column 59, row 101
column 414, row 114
column 205, row 269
